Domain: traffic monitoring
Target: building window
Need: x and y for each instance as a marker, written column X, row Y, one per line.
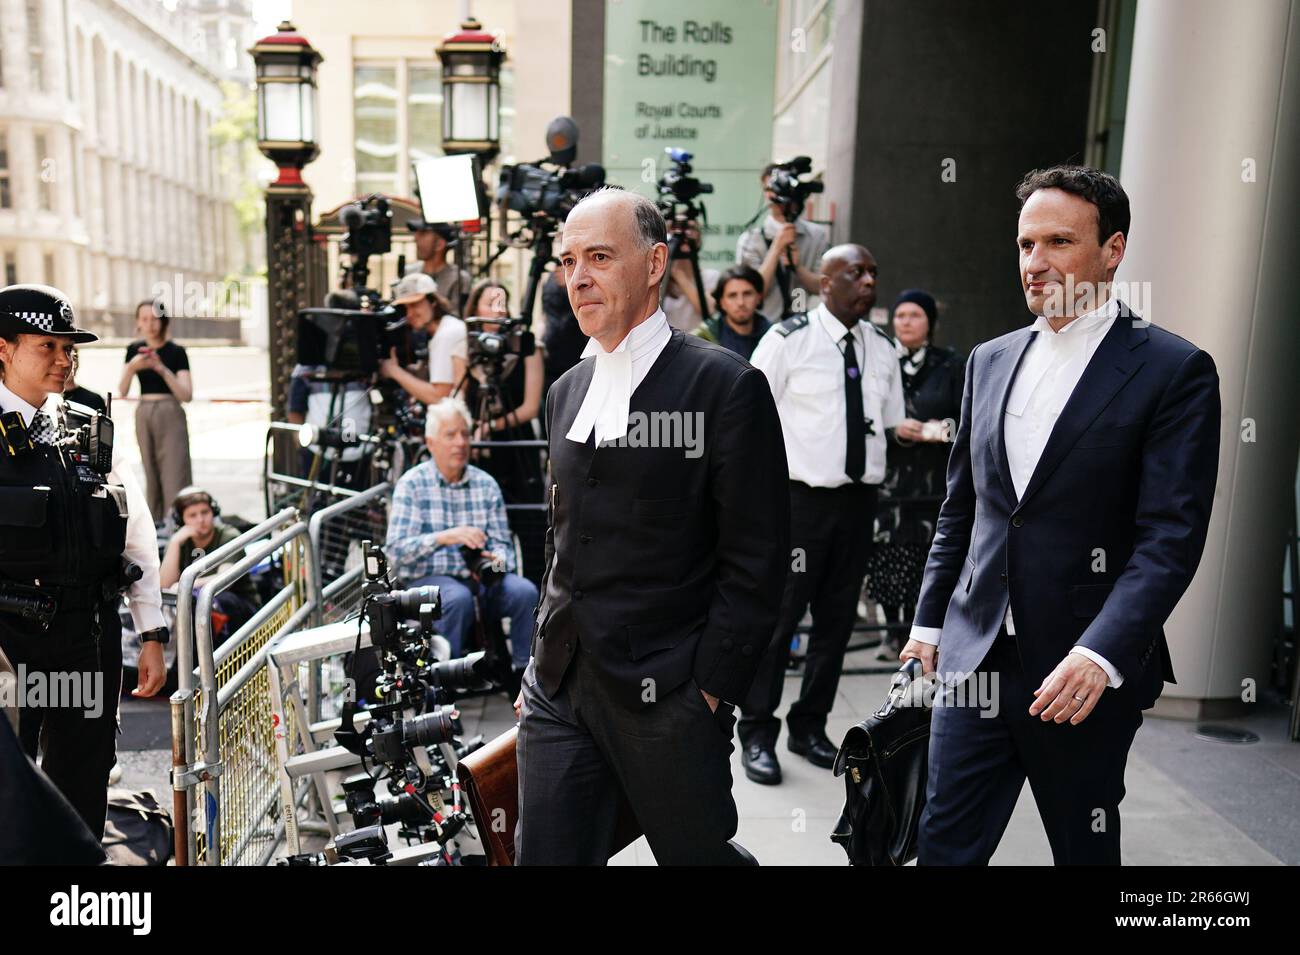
column 50, row 277
column 6, row 199
column 375, row 102
column 11, row 269
column 35, row 48
column 44, row 173
column 423, row 115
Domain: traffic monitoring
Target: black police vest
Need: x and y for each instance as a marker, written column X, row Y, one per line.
column 60, row 523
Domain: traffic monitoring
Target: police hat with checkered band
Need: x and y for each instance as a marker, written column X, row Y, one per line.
column 38, row 310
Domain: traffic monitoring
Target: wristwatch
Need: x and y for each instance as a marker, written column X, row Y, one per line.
column 157, row 635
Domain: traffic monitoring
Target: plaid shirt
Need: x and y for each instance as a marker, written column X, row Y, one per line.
column 425, row 503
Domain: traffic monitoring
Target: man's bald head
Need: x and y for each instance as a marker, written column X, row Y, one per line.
column 614, row 253
column 630, row 208
column 848, row 281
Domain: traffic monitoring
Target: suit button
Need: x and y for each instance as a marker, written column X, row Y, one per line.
column 1003, row 577
column 727, row 644
column 585, row 539
column 1017, row 521
column 577, row 595
column 747, row 650
column 592, row 482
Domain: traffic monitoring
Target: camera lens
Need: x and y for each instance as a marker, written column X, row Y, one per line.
column 430, row 729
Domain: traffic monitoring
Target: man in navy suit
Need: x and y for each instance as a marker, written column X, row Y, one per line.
column 1079, row 494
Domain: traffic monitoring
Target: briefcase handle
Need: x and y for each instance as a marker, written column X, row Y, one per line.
column 909, row 671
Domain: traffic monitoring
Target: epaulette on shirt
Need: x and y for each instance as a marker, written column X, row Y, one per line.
column 792, row 324
column 882, row 333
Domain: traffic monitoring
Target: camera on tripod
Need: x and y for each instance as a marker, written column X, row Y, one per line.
column 532, row 190
column 791, row 191
column 677, row 187
column 359, row 329
column 510, row 337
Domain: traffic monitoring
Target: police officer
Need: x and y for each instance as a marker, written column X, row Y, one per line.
column 74, row 532
column 837, row 385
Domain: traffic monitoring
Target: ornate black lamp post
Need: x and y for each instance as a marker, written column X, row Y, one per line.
column 471, row 91
column 287, row 135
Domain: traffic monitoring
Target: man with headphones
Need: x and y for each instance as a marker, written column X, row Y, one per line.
column 198, row 532
column 75, row 533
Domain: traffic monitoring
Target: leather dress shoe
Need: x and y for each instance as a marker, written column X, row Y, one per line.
column 815, row 748
column 760, row 764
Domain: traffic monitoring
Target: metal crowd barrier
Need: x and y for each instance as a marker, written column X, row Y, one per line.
column 225, row 774
column 336, row 534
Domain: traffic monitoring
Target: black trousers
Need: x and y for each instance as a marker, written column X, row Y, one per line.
column 578, row 749
column 830, row 537
column 79, row 743
column 978, row 766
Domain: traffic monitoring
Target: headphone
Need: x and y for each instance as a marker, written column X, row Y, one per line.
column 183, row 500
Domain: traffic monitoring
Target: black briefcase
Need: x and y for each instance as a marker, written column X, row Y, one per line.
column 883, row 761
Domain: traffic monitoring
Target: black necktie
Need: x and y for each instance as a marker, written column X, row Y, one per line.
column 855, row 435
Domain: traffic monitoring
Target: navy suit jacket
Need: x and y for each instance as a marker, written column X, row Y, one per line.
column 1112, row 523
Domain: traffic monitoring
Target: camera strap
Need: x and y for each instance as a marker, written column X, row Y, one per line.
column 783, row 283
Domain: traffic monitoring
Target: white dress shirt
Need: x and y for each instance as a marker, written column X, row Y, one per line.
column 144, row 596
column 1053, row 364
column 805, row 371
column 617, row 374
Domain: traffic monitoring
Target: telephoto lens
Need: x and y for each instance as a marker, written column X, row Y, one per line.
column 430, row 729
column 464, row 673
column 410, row 601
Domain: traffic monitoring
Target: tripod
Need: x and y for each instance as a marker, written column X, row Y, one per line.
column 680, row 246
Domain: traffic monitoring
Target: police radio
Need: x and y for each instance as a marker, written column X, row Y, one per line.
column 89, row 435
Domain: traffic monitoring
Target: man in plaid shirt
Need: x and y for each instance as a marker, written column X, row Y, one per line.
column 444, row 504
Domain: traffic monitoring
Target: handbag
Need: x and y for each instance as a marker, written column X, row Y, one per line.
column 883, row 761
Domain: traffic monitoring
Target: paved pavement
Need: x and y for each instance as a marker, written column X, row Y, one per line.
column 1189, row 801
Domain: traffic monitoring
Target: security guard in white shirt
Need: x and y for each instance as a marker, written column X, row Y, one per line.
column 75, row 533
column 837, row 385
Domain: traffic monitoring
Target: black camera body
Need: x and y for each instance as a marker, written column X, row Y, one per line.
column 483, row 566
column 512, row 337
column 350, row 343
column 791, row 191
column 532, row 190
column 677, row 187
column 369, row 222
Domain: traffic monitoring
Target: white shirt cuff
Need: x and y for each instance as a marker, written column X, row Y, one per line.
column 928, row 635
column 1115, row 679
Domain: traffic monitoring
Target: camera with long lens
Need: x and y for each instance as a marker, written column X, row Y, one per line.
column 790, row 189
column 413, row 731
column 677, row 187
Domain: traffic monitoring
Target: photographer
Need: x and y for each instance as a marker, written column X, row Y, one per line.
column 428, row 312
column 75, row 533
column 431, row 243
column 446, row 504
column 681, row 304
column 196, row 514
column 781, row 250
